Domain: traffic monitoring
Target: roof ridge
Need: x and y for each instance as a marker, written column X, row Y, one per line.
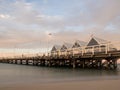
column 99, row 40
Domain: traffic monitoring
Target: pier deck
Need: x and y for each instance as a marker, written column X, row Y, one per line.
column 87, row 60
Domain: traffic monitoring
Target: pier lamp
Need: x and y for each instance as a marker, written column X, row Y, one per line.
column 49, row 36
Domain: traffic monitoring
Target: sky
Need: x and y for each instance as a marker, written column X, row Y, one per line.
column 26, row 24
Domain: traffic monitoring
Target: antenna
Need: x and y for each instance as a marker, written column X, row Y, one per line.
column 92, row 35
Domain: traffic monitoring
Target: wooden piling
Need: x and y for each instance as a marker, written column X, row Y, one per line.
column 74, row 63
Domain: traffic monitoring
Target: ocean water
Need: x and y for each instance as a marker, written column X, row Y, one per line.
column 20, row 74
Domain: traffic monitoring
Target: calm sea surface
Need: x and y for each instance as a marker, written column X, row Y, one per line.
column 16, row 74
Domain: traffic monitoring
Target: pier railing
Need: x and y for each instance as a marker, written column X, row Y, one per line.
column 80, row 51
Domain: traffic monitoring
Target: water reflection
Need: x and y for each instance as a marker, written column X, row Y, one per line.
column 12, row 73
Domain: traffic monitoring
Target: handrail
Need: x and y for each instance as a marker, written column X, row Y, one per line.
column 104, row 48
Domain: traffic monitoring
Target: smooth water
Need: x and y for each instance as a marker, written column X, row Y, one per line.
column 16, row 74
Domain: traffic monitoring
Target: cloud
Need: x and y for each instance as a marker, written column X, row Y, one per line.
column 99, row 13
column 23, row 25
column 2, row 16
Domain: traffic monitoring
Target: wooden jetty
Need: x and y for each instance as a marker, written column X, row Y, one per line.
column 95, row 54
column 76, row 61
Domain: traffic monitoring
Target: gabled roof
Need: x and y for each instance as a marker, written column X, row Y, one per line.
column 100, row 41
column 66, row 46
column 96, row 41
column 79, row 43
column 56, row 47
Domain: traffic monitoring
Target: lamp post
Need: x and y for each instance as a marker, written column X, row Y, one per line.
column 49, row 34
column 14, row 51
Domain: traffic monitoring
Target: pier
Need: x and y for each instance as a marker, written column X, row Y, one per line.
column 94, row 54
column 76, row 61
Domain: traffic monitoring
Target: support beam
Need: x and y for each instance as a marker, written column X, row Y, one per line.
column 83, row 63
column 27, row 62
column 115, row 63
column 16, row 61
column 74, row 63
column 21, row 61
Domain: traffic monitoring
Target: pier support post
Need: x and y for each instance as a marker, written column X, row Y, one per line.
column 115, row 63
column 15, row 61
column 7, row 61
column 83, row 64
column 11, row 61
column 20, row 61
column 49, row 63
column 92, row 63
column 108, row 66
column 38, row 62
column 0, row 61
column 34, row 62
column 100, row 64
column 27, row 62
column 43, row 62
column 74, row 63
